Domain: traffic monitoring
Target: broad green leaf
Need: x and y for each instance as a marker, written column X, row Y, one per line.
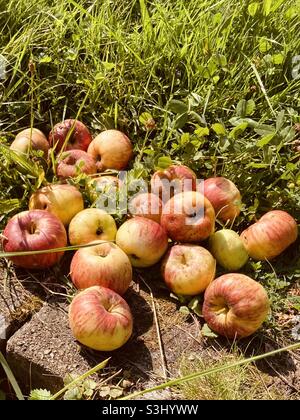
column 202, row 131
column 253, row 8
column 267, row 7
column 40, row 394
column 184, row 310
column 207, row 332
column 278, row 58
column 250, row 107
column 264, row 45
column 238, row 130
column 145, row 117
column 184, row 139
column 245, row 108
column 181, row 120
column 45, row 59
column 265, row 140
column 219, row 129
column 164, row 162
column 280, row 120
column 108, row 66
column 178, row 107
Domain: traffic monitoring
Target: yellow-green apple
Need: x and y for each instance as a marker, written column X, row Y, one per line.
column 271, row 235
column 188, row 217
column 74, row 162
column 34, row 230
column 235, row 305
column 224, row 197
column 112, row 149
column 100, row 319
column 90, row 225
column 173, row 180
column 79, row 135
column 188, row 269
column 143, row 240
column 64, row 201
column 103, row 185
column 30, row 138
column 102, row 264
column 228, row 249
column 146, row 205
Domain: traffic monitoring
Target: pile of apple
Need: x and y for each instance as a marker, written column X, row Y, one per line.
column 159, row 227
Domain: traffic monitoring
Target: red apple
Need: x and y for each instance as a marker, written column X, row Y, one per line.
column 100, row 319
column 103, row 185
column 270, row 236
column 188, row 269
column 34, row 230
column 33, row 138
column 64, row 201
column 143, row 240
column 112, row 149
column 90, row 225
column 80, row 137
column 224, row 197
column 188, row 217
column 146, row 205
column 103, row 264
column 235, row 305
column 72, row 162
column 173, row 180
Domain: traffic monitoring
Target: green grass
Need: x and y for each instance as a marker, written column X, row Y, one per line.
column 215, row 76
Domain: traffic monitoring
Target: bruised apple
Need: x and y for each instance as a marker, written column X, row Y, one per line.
column 112, row 149
column 188, row 269
column 103, row 264
column 62, row 200
column 228, row 249
column 73, row 162
column 146, row 205
column 224, row 197
column 30, row 138
column 235, row 305
column 79, row 135
column 90, row 225
column 270, row 236
column 188, row 217
column 173, row 180
column 143, row 240
column 100, row 319
column 34, row 230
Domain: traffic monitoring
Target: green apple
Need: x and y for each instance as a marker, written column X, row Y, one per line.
column 228, row 249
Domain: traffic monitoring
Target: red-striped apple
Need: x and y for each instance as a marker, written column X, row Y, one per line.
column 74, row 162
column 146, row 205
column 79, row 135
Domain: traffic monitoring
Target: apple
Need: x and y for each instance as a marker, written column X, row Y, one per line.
column 188, row 269
column 228, row 249
column 100, row 319
column 173, row 180
column 33, row 138
column 143, row 240
column 112, row 149
column 92, row 224
column 80, row 137
column 102, row 185
column 146, row 205
column 64, row 201
column 102, row 264
column 224, row 197
column 72, row 162
column 34, row 230
column 188, row 217
column 270, row 236
column 235, row 305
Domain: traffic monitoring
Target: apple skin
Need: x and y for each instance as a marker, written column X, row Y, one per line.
column 79, row 139
column 112, row 149
column 101, row 185
column 90, row 225
column 228, row 249
column 235, row 306
column 38, row 141
column 188, row 269
column 143, row 240
column 182, row 178
column 224, row 197
column 69, row 164
column 103, row 264
column 34, row 230
column 62, row 200
column 270, row 235
column 181, row 217
column 100, row 319
column 146, row 205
